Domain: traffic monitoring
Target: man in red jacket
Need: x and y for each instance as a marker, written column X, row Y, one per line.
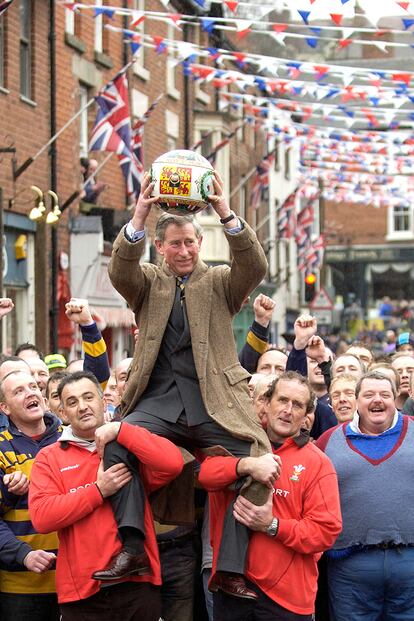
column 300, row 520
column 69, row 493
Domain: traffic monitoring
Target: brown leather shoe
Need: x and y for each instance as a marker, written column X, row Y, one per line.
column 231, row 584
column 122, row 565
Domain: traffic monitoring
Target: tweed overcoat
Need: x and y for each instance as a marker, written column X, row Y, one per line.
column 213, row 296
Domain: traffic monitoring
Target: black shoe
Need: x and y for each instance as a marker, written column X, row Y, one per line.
column 231, row 584
column 122, row 565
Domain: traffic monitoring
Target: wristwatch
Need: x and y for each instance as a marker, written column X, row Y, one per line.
column 273, row 527
column 228, row 219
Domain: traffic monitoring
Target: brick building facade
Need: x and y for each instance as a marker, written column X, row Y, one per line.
column 90, row 50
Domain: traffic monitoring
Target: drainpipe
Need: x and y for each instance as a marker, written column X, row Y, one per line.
column 53, row 177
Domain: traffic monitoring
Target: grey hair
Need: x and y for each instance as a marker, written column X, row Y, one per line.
column 168, row 218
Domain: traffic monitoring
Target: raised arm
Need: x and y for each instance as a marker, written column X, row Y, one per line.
column 96, row 357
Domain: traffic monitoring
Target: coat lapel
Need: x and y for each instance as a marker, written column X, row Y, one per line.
column 198, row 302
column 161, row 299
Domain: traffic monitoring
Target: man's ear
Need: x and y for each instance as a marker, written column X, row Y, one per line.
column 159, row 246
column 4, row 408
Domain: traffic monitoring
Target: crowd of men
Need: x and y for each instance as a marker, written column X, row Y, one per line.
column 193, row 481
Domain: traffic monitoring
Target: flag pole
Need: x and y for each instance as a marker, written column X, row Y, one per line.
column 242, row 182
column 18, row 171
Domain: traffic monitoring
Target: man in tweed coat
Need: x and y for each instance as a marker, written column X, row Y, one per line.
column 185, row 381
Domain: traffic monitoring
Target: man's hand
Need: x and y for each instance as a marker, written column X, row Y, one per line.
column 316, row 350
column 219, row 202
column 144, row 203
column 39, row 561
column 256, row 518
column 263, row 307
column 305, row 327
column 16, row 482
column 264, row 469
column 106, row 433
column 6, row 306
column 77, row 310
column 111, row 480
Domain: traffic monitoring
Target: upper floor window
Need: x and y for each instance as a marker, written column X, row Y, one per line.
column 83, row 124
column 139, row 65
column 26, row 48
column 287, row 162
column 400, row 222
column 98, row 29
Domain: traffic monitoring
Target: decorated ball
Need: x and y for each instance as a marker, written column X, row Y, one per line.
column 183, row 181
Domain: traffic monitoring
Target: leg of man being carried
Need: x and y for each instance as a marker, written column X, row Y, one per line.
column 128, row 511
column 235, row 539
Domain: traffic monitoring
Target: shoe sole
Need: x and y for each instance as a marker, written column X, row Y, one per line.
column 135, row 572
column 231, row 594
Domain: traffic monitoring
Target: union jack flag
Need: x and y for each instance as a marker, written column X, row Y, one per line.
column 4, row 6
column 310, row 256
column 112, row 130
column 261, row 180
column 286, row 222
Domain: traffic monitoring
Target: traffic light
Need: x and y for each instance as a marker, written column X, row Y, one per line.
column 310, row 287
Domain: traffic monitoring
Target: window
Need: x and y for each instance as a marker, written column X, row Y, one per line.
column 26, row 48
column 98, row 29
column 69, row 21
column 139, row 65
column 83, row 125
column 172, row 122
column 172, row 89
column 200, row 94
column 402, row 218
column 243, row 200
column 287, row 163
column 2, row 52
column 400, row 222
column 276, row 152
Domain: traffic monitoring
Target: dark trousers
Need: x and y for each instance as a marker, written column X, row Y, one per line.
column 129, row 601
column 178, row 571
column 229, row 608
column 235, row 538
column 129, row 506
column 30, row 607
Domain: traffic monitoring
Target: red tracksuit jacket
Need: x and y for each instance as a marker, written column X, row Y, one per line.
column 306, row 501
column 63, row 497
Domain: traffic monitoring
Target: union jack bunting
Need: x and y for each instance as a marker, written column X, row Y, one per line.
column 4, row 6
column 261, row 180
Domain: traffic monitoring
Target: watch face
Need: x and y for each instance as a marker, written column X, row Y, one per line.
column 272, row 529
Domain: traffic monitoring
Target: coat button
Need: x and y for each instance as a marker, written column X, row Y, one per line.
column 229, row 404
column 215, row 371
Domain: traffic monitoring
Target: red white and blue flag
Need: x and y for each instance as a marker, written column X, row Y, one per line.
column 261, row 180
column 112, row 130
column 286, row 220
column 4, row 6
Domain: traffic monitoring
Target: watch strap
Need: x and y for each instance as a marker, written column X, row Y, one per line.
column 228, row 219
